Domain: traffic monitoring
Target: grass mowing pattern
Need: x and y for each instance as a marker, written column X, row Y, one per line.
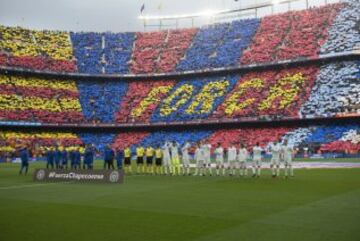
column 315, row 205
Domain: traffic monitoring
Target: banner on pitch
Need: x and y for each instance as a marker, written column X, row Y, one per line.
column 84, row 176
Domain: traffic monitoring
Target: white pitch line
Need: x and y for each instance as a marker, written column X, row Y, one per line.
column 30, row 185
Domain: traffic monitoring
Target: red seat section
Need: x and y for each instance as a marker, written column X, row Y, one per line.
column 156, row 52
column 341, row 146
column 268, row 93
column 128, row 139
column 141, row 100
column 249, row 136
column 291, row 35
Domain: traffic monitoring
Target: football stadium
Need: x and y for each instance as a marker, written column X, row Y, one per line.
column 180, row 120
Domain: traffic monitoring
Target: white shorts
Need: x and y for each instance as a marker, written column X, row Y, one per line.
column 275, row 162
column 219, row 163
column 207, row 163
column 287, row 162
column 233, row 164
column 257, row 162
column 199, row 163
column 186, row 161
column 242, row 164
column 167, row 162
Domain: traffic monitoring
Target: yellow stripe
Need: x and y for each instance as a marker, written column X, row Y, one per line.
column 44, row 135
column 15, row 102
column 36, row 82
column 43, row 148
column 23, row 42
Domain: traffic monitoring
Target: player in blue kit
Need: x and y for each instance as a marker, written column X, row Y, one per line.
column 109, row 155
column 57, row 158
column 50, row 158
column 89, row 156
column 24, row 156
column 119, row 159
column 77, row 158
column 64, row 159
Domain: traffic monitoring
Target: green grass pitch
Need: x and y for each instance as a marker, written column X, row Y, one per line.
column 315, row 205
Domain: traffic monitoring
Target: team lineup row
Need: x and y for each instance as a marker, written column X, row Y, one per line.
column 173, row 159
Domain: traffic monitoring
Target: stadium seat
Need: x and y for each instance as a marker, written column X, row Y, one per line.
column 344, row 32
column 40, row 50
column 39, row 100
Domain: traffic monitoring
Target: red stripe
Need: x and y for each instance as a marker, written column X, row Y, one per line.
column 124, row 140
column 42, row 116
column 270, row 79
column 137, row 91
column 39, row 63
column 341, row 146
column 3, row 59
column 291, row 35
column 249, row 136
column 41, row 92
column 157, row 52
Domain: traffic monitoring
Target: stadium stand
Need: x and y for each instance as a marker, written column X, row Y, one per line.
column 117, row 52
column 100, row 100
column 350, row 142
column 310, row 90
column 336, row 90
column 218, row 45
column 344, row 32
column 291, row 35
column 39, row 100
column 40, row 50
column 88, row 52
column 328, row 138
column 160, row 51
column 141, row 100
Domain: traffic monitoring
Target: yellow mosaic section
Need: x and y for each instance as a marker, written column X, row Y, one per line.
column 287, row 88
column 36, row 82
column 23, row 42
column 15, row 102
column 18, row 138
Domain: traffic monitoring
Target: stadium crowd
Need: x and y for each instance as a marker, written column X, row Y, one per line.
column 39, row 100
column 291, row 35
column 330, row 140
column 312, row 90
column 294, row 92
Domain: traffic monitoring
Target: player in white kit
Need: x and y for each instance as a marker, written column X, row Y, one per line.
column 257, row 159
column 275, row 150
column 288, row 155
column 185, row 159
column 175, row 160
column 207, row 157
column 219, row 158
column 242, row 157
column 199, row 159
column 231, row 156
column 166, row 158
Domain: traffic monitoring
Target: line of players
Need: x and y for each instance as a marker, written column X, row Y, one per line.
column 168, row 161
